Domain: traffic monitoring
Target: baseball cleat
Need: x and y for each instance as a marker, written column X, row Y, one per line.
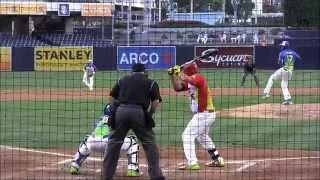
column 74, row 168
column 193, row 167
column 287, row 102
column 265, row 96
column 216, row 163
column 133, row 173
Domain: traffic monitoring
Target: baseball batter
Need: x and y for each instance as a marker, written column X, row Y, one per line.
column 287, row 58
column 97, row 141
column 89, row 70
column 203, row 115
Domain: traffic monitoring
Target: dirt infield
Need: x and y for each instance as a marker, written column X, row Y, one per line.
column 276, row 111
column 22, row 163
column 55, row 94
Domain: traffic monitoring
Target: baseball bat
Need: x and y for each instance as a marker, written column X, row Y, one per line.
column 204, row 56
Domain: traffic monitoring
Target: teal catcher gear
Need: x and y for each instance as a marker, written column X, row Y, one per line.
column 98, row 140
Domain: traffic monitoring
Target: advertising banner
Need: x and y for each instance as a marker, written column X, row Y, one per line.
column 5, row 59
column 61, row 58
column 30, row 8
column 154, row 57
column 96, row 9
column 227, row 57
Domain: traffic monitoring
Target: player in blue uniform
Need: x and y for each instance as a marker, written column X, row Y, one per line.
column 98, row 140
column 287, row 59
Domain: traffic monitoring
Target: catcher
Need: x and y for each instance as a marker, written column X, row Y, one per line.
column 89, row 70
column 202, row 107
column 98, row 140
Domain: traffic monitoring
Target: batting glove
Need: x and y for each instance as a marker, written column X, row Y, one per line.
column 176, row 69
column 170, row 71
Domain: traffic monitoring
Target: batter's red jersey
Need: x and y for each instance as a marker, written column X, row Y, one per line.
column 200, row 92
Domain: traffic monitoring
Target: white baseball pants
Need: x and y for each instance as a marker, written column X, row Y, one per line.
column 88, row 81
column 198, row 129
column 284, row 76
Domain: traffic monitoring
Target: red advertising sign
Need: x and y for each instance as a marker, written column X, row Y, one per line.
column 227, row 57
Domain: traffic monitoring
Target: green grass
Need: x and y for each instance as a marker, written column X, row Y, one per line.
column 44, row 124
column 245, row 133
column 47, row 124
column 267, row 133
column 216, row 78
column 62, row 123
column 241, row 132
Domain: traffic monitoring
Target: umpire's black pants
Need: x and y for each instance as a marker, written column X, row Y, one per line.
column 253, row 73
column 131, row 117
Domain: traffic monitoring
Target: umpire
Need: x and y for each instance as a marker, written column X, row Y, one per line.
column 137, row 98
column 249, row 68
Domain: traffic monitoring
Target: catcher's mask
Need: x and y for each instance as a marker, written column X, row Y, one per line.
column 190, row 69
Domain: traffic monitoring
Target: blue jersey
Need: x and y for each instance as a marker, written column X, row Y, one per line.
column 287, row 58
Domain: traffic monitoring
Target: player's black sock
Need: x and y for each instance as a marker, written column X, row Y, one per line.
column 214, row 153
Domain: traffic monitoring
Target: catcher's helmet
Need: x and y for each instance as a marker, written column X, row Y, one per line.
column 107, row 110
column 190, row 69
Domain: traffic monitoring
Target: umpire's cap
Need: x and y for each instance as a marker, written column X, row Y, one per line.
column 138, row 67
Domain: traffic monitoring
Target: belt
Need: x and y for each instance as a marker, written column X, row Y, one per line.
column 208, row 111
column 131, row 106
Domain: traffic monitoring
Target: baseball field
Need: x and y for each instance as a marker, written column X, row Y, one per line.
column 44, row 115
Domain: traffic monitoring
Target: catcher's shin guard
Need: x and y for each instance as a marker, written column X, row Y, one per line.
column 132, row 148
column 83, row 152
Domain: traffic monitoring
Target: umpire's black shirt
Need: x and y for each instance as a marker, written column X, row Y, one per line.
column 136, row 89
column 249, row 67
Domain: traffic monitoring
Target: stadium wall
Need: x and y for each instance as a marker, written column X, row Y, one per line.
column 22, row 59
column 105, row 58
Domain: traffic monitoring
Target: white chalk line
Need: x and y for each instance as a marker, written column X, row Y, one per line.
column 246, row 163
column 245, row 166
column 35, row 151
column 59, row 162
